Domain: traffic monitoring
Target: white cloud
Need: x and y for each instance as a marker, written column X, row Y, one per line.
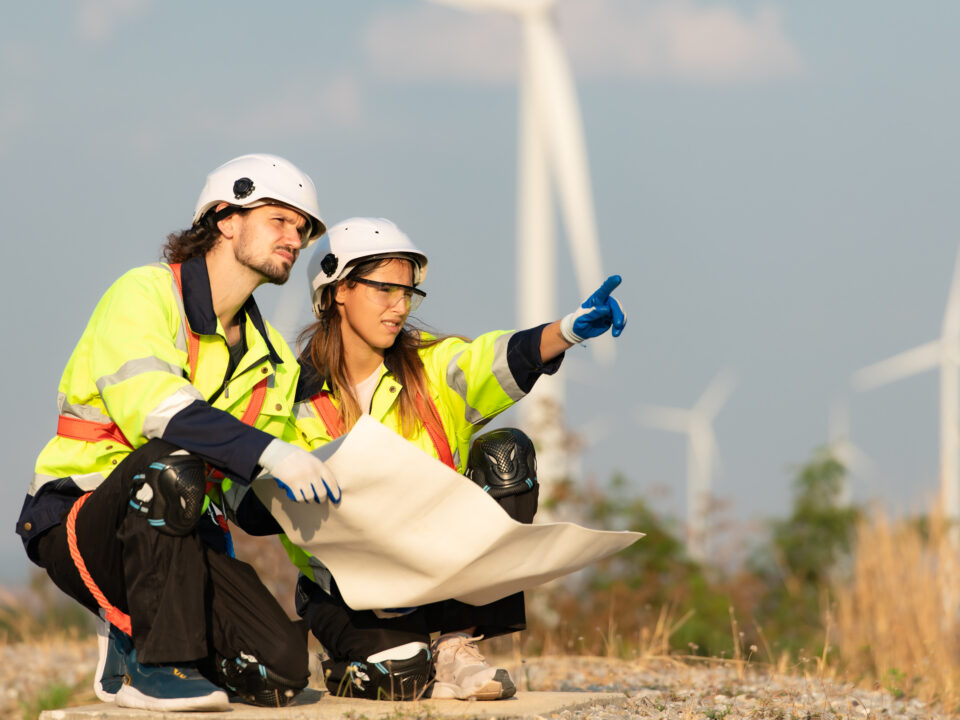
column 426, row 42
column 691, row 40
column 302, row 108
column 99, row 20
column 293, row 110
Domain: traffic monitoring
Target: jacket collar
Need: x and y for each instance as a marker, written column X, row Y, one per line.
column 198, row 304
column 311, row 381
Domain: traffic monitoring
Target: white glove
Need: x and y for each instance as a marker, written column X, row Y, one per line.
column 300, row 474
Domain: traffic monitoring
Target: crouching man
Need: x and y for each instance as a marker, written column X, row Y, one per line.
column 176, row 382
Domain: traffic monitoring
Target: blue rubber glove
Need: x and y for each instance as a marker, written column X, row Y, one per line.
column 595, row 316
column 301, row 475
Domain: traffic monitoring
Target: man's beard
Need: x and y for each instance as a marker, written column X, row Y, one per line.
column 275, row 271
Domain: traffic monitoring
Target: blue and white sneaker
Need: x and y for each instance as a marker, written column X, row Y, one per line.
column 113, row 647
column 168, row 688
column 122, row 680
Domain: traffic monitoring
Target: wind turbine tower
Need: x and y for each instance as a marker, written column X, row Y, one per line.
column 552, row 163
column 702, row 455
column 944, row 352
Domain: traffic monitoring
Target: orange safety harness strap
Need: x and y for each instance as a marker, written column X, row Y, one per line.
column 427, row 411
column 114, row 616
column 93, row 431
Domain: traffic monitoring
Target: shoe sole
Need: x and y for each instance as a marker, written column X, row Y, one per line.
column 130, row 697
column 500, row 687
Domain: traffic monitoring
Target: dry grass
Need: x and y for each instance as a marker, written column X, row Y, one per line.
column 896, row 621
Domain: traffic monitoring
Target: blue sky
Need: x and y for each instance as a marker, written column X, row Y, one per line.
column 774, row 181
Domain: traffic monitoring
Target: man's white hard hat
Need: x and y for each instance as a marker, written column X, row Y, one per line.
column 250, row 181
column 348, row 242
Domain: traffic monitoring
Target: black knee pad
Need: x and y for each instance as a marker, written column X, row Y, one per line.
column 170, row 493
column 254, row 682
column 400, row 673
column 503, row 462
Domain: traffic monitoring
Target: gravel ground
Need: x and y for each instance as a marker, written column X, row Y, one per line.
column 657, row 689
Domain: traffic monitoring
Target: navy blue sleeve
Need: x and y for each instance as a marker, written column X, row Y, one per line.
column 523, row 358
column 219, row 438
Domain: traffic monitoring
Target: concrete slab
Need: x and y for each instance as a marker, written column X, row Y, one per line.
column 310, row 706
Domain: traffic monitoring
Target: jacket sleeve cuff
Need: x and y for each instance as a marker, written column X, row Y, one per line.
column 219, row 438
column 523, row 358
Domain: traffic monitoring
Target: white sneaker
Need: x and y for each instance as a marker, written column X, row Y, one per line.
column 463, row 673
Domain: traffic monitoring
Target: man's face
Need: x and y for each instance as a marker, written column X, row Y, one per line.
column 268, row 241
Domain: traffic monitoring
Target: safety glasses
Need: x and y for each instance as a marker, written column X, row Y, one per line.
column 389, row 294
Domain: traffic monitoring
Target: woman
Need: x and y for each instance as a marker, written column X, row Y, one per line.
column 361, row 357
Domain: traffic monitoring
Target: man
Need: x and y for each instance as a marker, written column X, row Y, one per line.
column 178, row 381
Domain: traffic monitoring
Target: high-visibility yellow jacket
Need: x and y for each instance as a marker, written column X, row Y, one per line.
column 470, row 383
column 131, row 368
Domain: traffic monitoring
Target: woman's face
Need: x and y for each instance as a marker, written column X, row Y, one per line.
column 375, row 315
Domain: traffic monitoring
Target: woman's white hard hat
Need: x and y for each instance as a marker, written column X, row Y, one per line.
column 350, row 241
column 250, row 181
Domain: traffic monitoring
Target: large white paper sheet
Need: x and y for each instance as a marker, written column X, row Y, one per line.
column 410, row 531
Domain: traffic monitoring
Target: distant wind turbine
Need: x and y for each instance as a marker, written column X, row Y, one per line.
column 944, row 352
column 552, row 156
column 702, row 454
column 854, row 460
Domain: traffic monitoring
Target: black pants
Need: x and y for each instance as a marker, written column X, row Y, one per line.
column 186, row 600
column 347, row 634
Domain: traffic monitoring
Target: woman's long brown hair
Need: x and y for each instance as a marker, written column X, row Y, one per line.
column 324, row 340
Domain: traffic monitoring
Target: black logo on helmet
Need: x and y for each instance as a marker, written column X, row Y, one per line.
column 242, row 188
column 329, row 264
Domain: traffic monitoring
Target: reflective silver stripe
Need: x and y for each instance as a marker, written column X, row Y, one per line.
column 138, row 366
column 181, row 340
column 84, row 412
column 304, row 411
column 501, row 368
column 155, row 423
column 457, row 381
column 456, row 457
column 86, row 482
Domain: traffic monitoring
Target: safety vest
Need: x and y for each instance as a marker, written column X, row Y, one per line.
column 133, row 369
column 469, row 383
column 76, row 428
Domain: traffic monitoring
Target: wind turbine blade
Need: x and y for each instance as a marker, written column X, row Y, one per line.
column 567, row 154
column 716, row 394
column 664, row 418
column 951, row 318
column 536, row 246
column 899, row 366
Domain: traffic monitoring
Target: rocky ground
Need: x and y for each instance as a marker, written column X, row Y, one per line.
column 37, row 676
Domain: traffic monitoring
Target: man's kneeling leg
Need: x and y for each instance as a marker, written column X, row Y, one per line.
column 398, row 673
column 170, row 493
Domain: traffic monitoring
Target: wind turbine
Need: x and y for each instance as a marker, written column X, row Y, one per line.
column 702, row 455
column 944, row 352
column 552, row 158
column 838, row 440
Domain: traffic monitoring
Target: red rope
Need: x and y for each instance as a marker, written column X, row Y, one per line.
column 118, row 619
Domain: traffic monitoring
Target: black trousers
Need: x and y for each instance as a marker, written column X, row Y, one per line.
column 186, row 600
column 347, row 634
